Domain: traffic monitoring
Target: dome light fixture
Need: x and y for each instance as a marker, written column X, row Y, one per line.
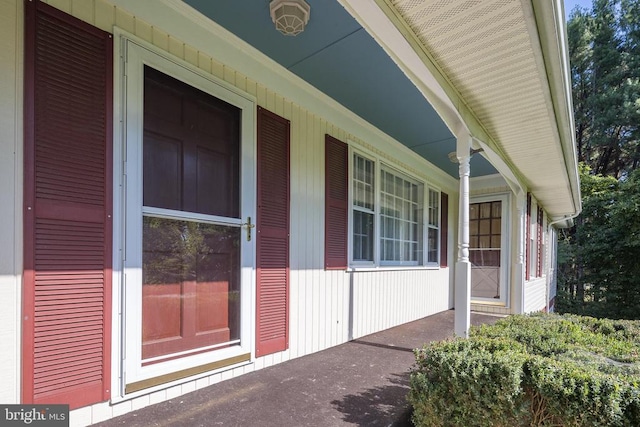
column 290, row 16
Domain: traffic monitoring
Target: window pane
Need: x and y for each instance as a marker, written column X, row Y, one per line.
column 473, row 211
column 362, row 236
column 496, row 208
column 434, row 208
column 191, row 148
column 162, row 172
column 485, row 226
column 485, row 210
column 433, row 245
column 363, row 183
column 191, row 285
column 401, row 219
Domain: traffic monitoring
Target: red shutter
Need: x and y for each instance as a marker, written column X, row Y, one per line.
column 528, row 239
column 272, row 234
column 335, row 211
column 67, row 258
column 444, row 228
column 539, row 243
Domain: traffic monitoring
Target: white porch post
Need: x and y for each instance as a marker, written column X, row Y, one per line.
column 463, row 265
column 519, row 270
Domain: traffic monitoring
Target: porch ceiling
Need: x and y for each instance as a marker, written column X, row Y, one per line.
column 337, row 56
column 502, row 64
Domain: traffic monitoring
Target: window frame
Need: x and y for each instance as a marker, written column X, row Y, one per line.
column 425, row 189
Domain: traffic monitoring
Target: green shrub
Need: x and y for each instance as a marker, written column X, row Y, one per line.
column 539, row 370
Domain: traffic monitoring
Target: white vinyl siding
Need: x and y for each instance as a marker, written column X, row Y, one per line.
column 535, row 292
column 327, row 308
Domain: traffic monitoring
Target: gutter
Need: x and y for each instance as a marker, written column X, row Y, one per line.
column 549, row 20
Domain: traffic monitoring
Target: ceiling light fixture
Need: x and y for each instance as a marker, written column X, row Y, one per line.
column 290, row 16
column 453, row 156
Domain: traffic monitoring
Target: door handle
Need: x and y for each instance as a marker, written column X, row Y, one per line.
column 248, row 225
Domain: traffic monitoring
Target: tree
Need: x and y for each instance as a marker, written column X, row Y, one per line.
column 604, row 50
column 598, row 268
column 599, row 271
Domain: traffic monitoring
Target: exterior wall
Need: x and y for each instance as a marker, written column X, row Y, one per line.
column 386, row 299
column 326, row 307
column 11, row 28
column 535, row 293
column 537, row 289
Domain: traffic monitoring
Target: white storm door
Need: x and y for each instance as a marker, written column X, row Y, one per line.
column 488, row 250
column 190, row 190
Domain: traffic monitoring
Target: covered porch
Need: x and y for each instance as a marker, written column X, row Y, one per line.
column 191, row 196
column 363, row 382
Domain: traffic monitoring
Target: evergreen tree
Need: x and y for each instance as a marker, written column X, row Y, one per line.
column 605, row 65
column 599, row 272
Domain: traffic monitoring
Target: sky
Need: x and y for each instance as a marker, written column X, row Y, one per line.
column 570, row 4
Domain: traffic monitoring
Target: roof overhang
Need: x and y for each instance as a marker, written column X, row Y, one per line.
column 499, row 70
column 422, row 72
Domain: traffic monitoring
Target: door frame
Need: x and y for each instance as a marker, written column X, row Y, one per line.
column 133, row 379
column 505, row 251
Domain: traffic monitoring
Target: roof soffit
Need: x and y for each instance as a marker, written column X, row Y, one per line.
column 487, row 56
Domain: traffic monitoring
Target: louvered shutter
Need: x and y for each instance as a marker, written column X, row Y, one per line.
column 335, row 213
column 528, row 238
column 444, row 228
column 272, row 234
column 67, row 259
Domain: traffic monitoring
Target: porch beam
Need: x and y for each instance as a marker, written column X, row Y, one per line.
column 463, row 265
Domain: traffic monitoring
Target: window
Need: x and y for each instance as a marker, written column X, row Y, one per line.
column 432, row 225
column 363, row 208
column 393, row 215
column 400, row 220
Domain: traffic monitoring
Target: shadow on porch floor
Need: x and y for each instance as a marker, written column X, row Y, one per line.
column 363, row 382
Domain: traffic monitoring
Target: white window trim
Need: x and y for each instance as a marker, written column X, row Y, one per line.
column 131, row 54
column 377, row 264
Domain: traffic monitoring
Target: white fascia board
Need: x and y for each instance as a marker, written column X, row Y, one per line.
column 548, row 16
column 191, row 27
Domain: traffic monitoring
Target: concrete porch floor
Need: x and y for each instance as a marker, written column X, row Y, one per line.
column 363, row 382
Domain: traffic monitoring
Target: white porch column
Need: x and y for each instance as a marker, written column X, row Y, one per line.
column 463, row 265
column 520, row 267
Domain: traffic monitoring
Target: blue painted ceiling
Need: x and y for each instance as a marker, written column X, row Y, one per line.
column 337, row 56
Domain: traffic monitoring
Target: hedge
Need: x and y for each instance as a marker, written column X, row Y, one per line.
column 536, row 370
